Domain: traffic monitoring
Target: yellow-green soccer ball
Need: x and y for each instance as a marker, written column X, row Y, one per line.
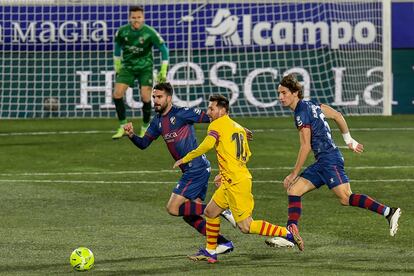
column 82, row 259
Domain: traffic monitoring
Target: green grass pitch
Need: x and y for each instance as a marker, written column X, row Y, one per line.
column 65, row 184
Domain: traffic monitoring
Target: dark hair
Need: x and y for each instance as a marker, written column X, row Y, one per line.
column 135, row 9
column 291, row 82
column 221, row 101
column 166, row 87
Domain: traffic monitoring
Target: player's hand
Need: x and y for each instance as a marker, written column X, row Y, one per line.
column 178, row 163
column 249, row 134
column 162, row 75
column 117, row 64
column 290, row 180
column 129, row 129
column 356, row 147
column 352, row 143
column 217, row 180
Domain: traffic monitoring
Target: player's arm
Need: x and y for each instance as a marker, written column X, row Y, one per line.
column 343, row 127
column 117, row 54
column 249, row 134
column 194, row 115
column 162, row 76
column 159, row 42
column 207, row 144
column 304, row 150
column 141, row 143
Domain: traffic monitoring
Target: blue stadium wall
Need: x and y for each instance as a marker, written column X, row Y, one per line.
column 402, row 55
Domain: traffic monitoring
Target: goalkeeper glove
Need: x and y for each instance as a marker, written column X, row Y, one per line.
column 162, row 75
column 117, row 64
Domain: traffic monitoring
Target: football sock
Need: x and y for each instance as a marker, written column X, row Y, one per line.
column 265, row 228
column 366, row 202
column 294, row 209
column 189, row 208
column 146, row 113
column 199, row 224
column 120, row 110
column 212, row 232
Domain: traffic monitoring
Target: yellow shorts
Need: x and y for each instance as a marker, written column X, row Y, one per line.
column 237, row 197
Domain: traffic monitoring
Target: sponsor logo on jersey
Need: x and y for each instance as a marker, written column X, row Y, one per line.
column 169, row 137
column 299, row 121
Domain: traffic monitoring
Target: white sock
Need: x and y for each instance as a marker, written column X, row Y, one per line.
column 387, row 211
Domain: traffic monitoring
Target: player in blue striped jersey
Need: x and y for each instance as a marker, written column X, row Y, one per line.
column 176, row 126
column 315, row 135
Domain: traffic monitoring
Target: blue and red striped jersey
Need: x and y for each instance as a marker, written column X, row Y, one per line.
column 177, row 129
column 309, row 114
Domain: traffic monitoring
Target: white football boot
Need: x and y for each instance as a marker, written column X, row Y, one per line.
column 279, row 242
column 392, row 218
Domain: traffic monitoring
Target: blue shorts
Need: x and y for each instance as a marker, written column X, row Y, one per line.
column 193, row 185
column 327, row 170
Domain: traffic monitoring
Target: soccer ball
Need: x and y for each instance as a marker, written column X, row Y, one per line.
column 51, row 104
column 82, row 259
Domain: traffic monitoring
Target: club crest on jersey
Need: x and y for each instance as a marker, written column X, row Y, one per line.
column 299, row 121
column 141, row 40
column 172, row 120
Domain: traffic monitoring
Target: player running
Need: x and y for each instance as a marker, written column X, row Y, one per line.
column 176, row 126
column 315, row 135
column 230, row 141
column 135, row 41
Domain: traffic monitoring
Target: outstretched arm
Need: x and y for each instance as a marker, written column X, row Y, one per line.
column 162, row 76
column 141, row 143
column 205, row 146
column 343, row 126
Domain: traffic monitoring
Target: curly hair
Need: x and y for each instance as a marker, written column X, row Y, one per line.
column 291, row 82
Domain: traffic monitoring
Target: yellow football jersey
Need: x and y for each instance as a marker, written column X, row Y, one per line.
column 232, row 148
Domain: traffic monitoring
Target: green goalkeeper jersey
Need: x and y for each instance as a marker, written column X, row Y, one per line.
column 137, row 46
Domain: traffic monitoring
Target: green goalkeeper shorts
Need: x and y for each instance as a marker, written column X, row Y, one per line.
column 127, row 76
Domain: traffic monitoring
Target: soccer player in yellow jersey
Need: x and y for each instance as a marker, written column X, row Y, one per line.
column 234, row 192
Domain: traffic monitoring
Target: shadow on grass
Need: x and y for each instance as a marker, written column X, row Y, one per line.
column 230, row 264
column 30, row 144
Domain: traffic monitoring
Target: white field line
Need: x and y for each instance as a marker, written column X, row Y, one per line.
column 168, row 182
column 37, row 133
column 178, row 171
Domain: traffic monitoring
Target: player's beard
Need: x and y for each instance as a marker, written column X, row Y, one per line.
column 160, row 108
column 136, row 25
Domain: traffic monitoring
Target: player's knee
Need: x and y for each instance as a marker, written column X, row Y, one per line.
column 118, row 95
column 244, row 225
column 293, row 192
column 344, row 200
column 172, row 210
column 119, row 91
column 208, row 213
column 245, row 229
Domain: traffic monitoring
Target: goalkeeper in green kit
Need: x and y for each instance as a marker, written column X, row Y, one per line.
column 135, row 41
